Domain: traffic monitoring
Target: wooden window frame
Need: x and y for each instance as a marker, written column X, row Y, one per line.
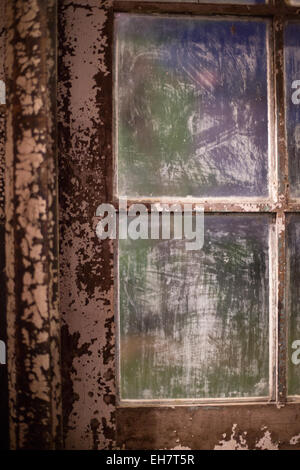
column 279, row 203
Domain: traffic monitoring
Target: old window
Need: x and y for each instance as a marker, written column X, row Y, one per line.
column 202, row 106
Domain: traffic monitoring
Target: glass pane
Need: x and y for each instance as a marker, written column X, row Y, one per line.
column 292, row 65
column 293, row 231
column 194, row 324
column 191, row 106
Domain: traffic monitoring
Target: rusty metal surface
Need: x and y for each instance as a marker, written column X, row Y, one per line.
column 85, row 162
column 31, row 252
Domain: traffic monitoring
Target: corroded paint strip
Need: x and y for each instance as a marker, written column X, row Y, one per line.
column 31, row 242
column 219, row 427
column 283, row 198
column 206, row 9
column 86, row 264
column 3, row 368
column 2, row 161
column 2, row 109
column 213, row 205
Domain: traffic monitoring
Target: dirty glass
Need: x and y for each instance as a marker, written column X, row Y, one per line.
column 292, row 67
column 191, row 107
column 194, row 324
column 293, row 233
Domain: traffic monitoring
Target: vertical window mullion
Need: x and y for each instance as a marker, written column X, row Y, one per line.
column 273, row 257
column 283, row 188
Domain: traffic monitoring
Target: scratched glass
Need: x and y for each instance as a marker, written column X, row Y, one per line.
column 293, row 234
column 292, row 70
column 194, row 324
column 191, row 107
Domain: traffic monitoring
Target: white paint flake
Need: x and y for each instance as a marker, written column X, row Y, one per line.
column 265, row 443
column 295, row 440
column 236, row 442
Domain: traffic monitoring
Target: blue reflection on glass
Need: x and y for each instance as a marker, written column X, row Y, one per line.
column 192, row 98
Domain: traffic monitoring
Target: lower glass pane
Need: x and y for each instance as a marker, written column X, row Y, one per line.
column 293, row 233
column 195, row 324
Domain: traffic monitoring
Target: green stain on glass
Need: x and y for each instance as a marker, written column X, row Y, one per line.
column 191, row 107
column 195, row 324
column 161, row 133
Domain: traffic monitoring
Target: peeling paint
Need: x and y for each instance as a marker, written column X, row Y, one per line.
column 86, row 276
column 295, row 440
column 265, row 442
column 232, row 427
column 84, row 123
column 180, row 447
column 237, row 441
column 30, row 197
column 3, row 336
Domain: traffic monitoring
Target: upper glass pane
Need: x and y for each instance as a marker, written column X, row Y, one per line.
column 194, row 324
column 293, row 232
column 292, row 67
column 191, row 106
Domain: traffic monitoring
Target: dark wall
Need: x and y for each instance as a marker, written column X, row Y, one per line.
column 3, row 368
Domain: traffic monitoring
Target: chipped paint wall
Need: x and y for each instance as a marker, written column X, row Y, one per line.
column 31, row 230
column 84, row 109
column 219, row 427
column 85, row 161
column 3, row 367
column 86, row 275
